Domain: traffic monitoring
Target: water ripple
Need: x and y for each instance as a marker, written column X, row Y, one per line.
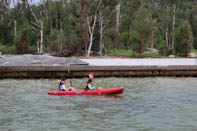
column 148, row 104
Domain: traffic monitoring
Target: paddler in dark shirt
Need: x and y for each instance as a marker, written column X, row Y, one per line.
column 90, row 85
column 62, row 84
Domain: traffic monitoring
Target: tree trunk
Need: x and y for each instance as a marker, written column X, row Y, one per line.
column 41, row 37
column 101, row 34
column 41, row 33
column 14, row 5
column 91, row 29
column 167, row 36
column 29, row 7
column 117, row 36
column 15, row 24
column 51, row 26
column 90, row 44
column 91, row 33
column 173, row 25
column 152, row 43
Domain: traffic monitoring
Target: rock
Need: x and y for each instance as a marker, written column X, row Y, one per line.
column 171, row 56
column 191, row 55
column 154, row 50
column 34, row 60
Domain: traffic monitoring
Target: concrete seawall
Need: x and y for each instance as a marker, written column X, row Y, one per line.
column 75, row 71
column 35, row 66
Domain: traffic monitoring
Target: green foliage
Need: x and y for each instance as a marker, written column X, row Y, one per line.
column 193, row 19
column 130, row 53
column 165, row 51
column 4, row 49
column 183, row 39
column 22, row 42
column 5, row 33
column 116, row 52
column 56, row 41
column 142, row 28
column 194, row 51
column 148, row 54
column 66, row 31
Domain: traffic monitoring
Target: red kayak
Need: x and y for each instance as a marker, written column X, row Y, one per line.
column 89, row 92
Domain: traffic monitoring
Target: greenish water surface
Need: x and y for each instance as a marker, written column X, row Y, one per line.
column 148, row 104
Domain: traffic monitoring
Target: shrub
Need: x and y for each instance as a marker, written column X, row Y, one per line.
column 165, row 51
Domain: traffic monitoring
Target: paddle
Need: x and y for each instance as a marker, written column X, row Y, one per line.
column 70, row 82
column 91, row 75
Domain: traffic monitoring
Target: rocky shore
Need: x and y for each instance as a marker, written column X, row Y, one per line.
column 38, row 60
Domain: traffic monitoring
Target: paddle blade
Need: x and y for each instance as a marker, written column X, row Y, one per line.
column 91, row 76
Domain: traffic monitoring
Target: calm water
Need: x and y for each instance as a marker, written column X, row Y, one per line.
column 148, row 104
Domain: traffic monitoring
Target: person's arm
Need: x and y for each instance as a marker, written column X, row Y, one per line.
column 90, row 87
column 64, row 87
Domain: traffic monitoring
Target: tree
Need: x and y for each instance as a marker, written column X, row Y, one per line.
column 129, row 7
column 183, row 39
column 22, row 41
column 95, row 25
column 117, row 34
column 142, row 29
column 106, row 16
column 92, row 27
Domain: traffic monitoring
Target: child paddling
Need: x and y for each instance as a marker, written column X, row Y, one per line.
column 62, row 84
column 90, row 85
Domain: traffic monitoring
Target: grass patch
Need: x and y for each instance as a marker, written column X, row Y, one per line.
column 154, row 54
column 116, row 52
column 194, row 51
column 130, row 53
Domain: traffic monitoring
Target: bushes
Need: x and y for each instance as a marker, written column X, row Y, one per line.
column 130, row 53
column 165, row 51
column 22, row 42
column 6, row 49
column 116, row 52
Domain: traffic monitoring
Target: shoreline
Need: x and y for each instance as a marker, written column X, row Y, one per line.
column 35, row 66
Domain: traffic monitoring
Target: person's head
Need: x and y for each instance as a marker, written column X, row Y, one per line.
column 63, row 79
column 89, row 81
